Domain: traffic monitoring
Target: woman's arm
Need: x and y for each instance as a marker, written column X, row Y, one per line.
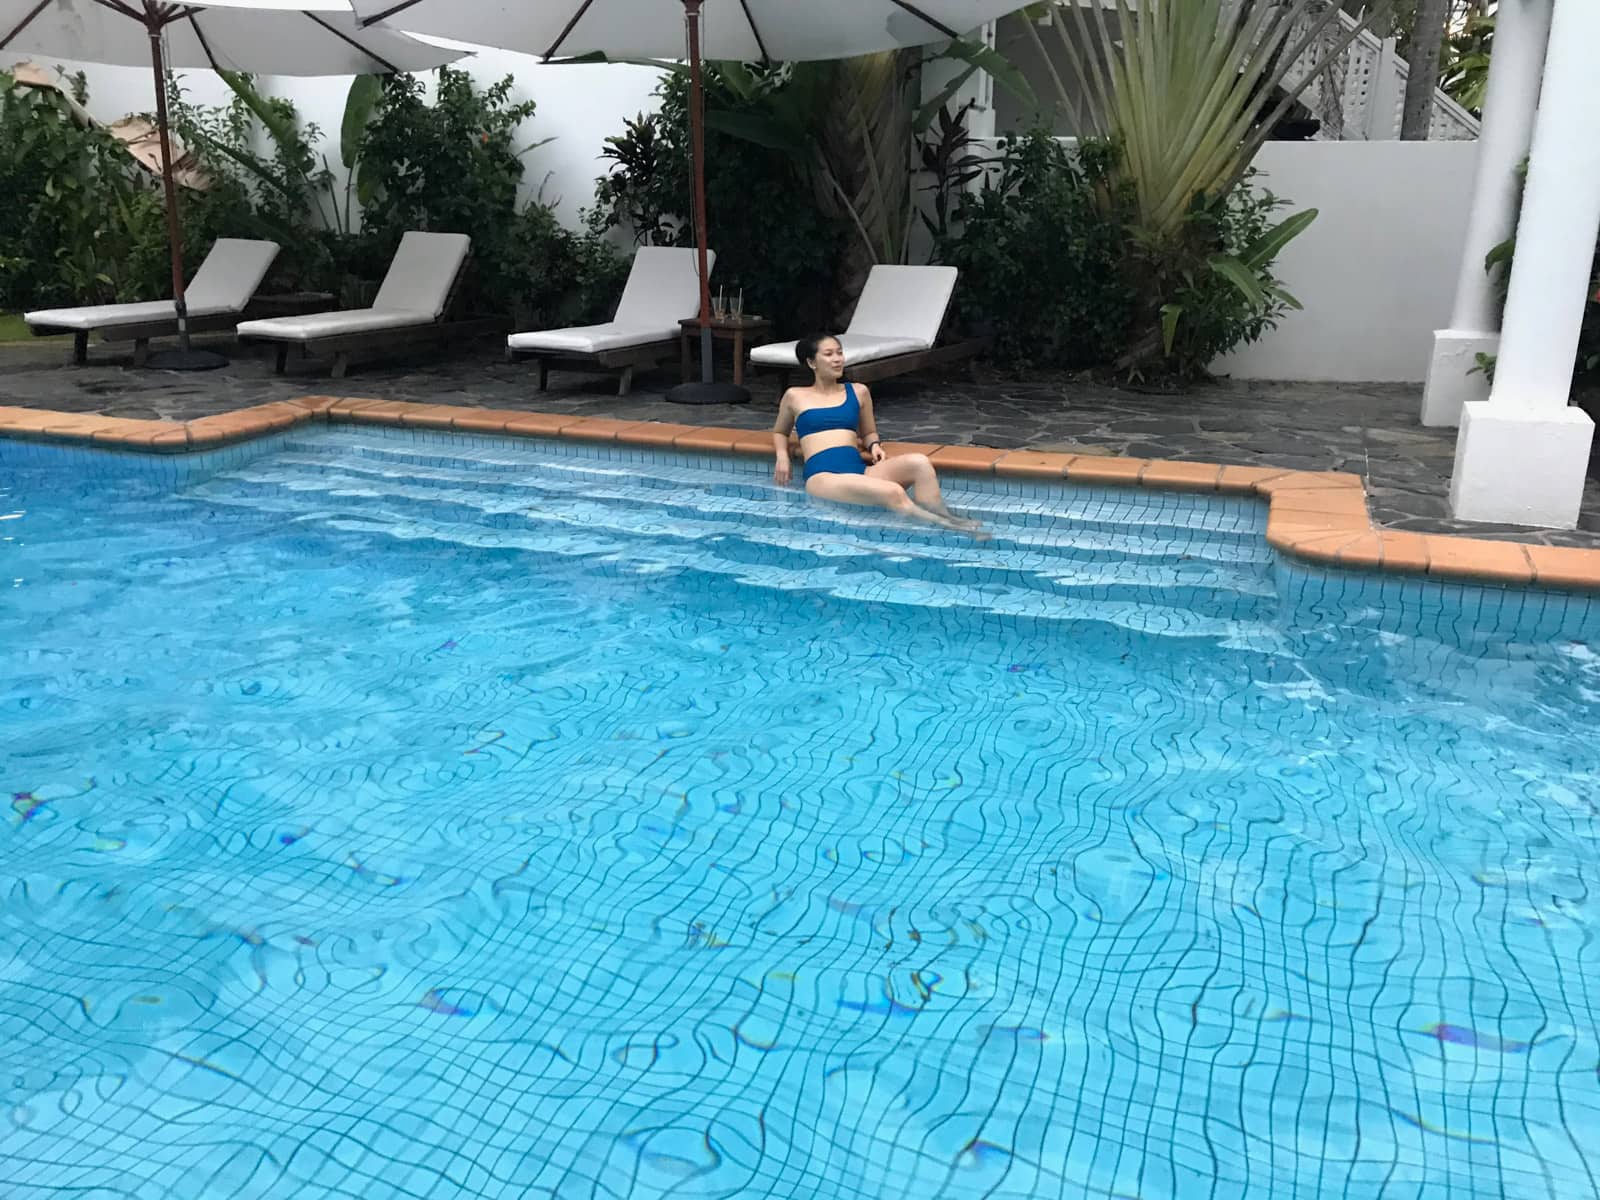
column 868, row 426
column 780, row 439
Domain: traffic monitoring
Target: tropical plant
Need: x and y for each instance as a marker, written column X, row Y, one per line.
column 849, row 126
column 453, row 165
column 75, row 203
column 1465, row 71
column 769, row 235
column 949, row 160
column 1042, row 248
column 1233, row 299
column 1181, row 86
column 847, row 129
column 627, row 194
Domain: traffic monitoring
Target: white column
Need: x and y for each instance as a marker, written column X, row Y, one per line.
column 1521, row 456
column 1522, row 33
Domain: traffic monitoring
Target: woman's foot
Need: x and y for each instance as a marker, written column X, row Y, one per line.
column 965, row 524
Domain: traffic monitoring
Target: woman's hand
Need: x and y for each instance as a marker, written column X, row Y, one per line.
column 780, row 471
column 876, row 452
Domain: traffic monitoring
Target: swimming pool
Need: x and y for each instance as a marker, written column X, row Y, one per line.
column 418, row 815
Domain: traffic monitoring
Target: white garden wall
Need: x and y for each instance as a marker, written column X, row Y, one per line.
column 1376, row 270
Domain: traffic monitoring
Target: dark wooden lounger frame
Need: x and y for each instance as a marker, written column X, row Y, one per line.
column 627, row 358
column 895, row 364
column 345, row 346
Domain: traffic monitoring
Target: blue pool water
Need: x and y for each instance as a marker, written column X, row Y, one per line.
column 413, row 816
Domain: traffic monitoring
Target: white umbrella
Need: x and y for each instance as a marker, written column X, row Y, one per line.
column 745, row 30
column 313, row 37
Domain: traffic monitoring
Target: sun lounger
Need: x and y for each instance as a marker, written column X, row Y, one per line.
column 663, row 288
column 895, row 328
column 409, row 309
column 218, row 297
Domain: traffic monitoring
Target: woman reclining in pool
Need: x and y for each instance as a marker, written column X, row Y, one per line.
column 835, row 423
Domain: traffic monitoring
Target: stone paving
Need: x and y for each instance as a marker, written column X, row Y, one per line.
column 1370, row 430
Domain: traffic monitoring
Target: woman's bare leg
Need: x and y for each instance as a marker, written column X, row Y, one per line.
column 871, row 492
column 915, row 471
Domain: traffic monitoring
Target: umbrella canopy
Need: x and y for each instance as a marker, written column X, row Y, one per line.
column 745, row 30
column 313, row 37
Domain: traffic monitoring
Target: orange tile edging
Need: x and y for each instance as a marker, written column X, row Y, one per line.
column 1315, row 516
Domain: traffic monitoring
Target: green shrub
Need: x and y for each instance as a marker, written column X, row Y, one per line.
column 282, row 195
column 75, row 204
column 455, row 166
column 1212, row 313
column 1054, row 267
column 769, row 237
column 1042, row 249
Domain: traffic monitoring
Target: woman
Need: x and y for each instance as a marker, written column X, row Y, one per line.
column 835, row 423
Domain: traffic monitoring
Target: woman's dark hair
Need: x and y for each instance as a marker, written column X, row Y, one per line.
column 806, row 348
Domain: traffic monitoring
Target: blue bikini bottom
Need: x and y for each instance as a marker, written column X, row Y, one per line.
column 836, row 460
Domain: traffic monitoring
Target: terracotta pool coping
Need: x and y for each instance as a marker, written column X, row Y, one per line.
column 1315, row 516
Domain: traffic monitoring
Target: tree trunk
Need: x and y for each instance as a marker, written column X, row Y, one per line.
column 1427, row 41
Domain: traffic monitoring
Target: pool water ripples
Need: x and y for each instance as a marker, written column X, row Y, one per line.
column 428, row 817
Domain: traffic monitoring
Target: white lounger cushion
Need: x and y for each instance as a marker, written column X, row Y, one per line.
column 414, row 292
column 663, row 288
column 423, row 272
column 329, row 324
column 107, row 316
column 590, row 339
column 858, row 348
column 225, row 282
column 899, row 312
column 905, row 302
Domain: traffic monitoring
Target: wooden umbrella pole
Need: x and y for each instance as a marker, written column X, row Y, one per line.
column 697, row 140
column 153, row 25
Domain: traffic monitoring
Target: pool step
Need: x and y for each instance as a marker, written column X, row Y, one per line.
column 1146, row 561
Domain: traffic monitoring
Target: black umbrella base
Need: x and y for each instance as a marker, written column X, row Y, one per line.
column 708, row 393
column 185, row 360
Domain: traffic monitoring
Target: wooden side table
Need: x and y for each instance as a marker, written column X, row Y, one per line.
column 743, row 332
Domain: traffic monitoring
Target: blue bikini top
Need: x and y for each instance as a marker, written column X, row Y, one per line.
column 844, row 415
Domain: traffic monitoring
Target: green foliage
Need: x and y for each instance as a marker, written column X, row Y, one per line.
column 1056, row 266
column 769, row 236
column 949, row 160
column 92, row 225
column 75, row 204
column 280, row 196
column 1214, row 282
column 559, row 277
column 1179, row 84
column 1464, row 66
column 1042, row 253
column 456, row 166
column 628, row 197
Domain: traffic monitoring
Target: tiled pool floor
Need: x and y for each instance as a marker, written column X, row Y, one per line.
column 403, row 814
